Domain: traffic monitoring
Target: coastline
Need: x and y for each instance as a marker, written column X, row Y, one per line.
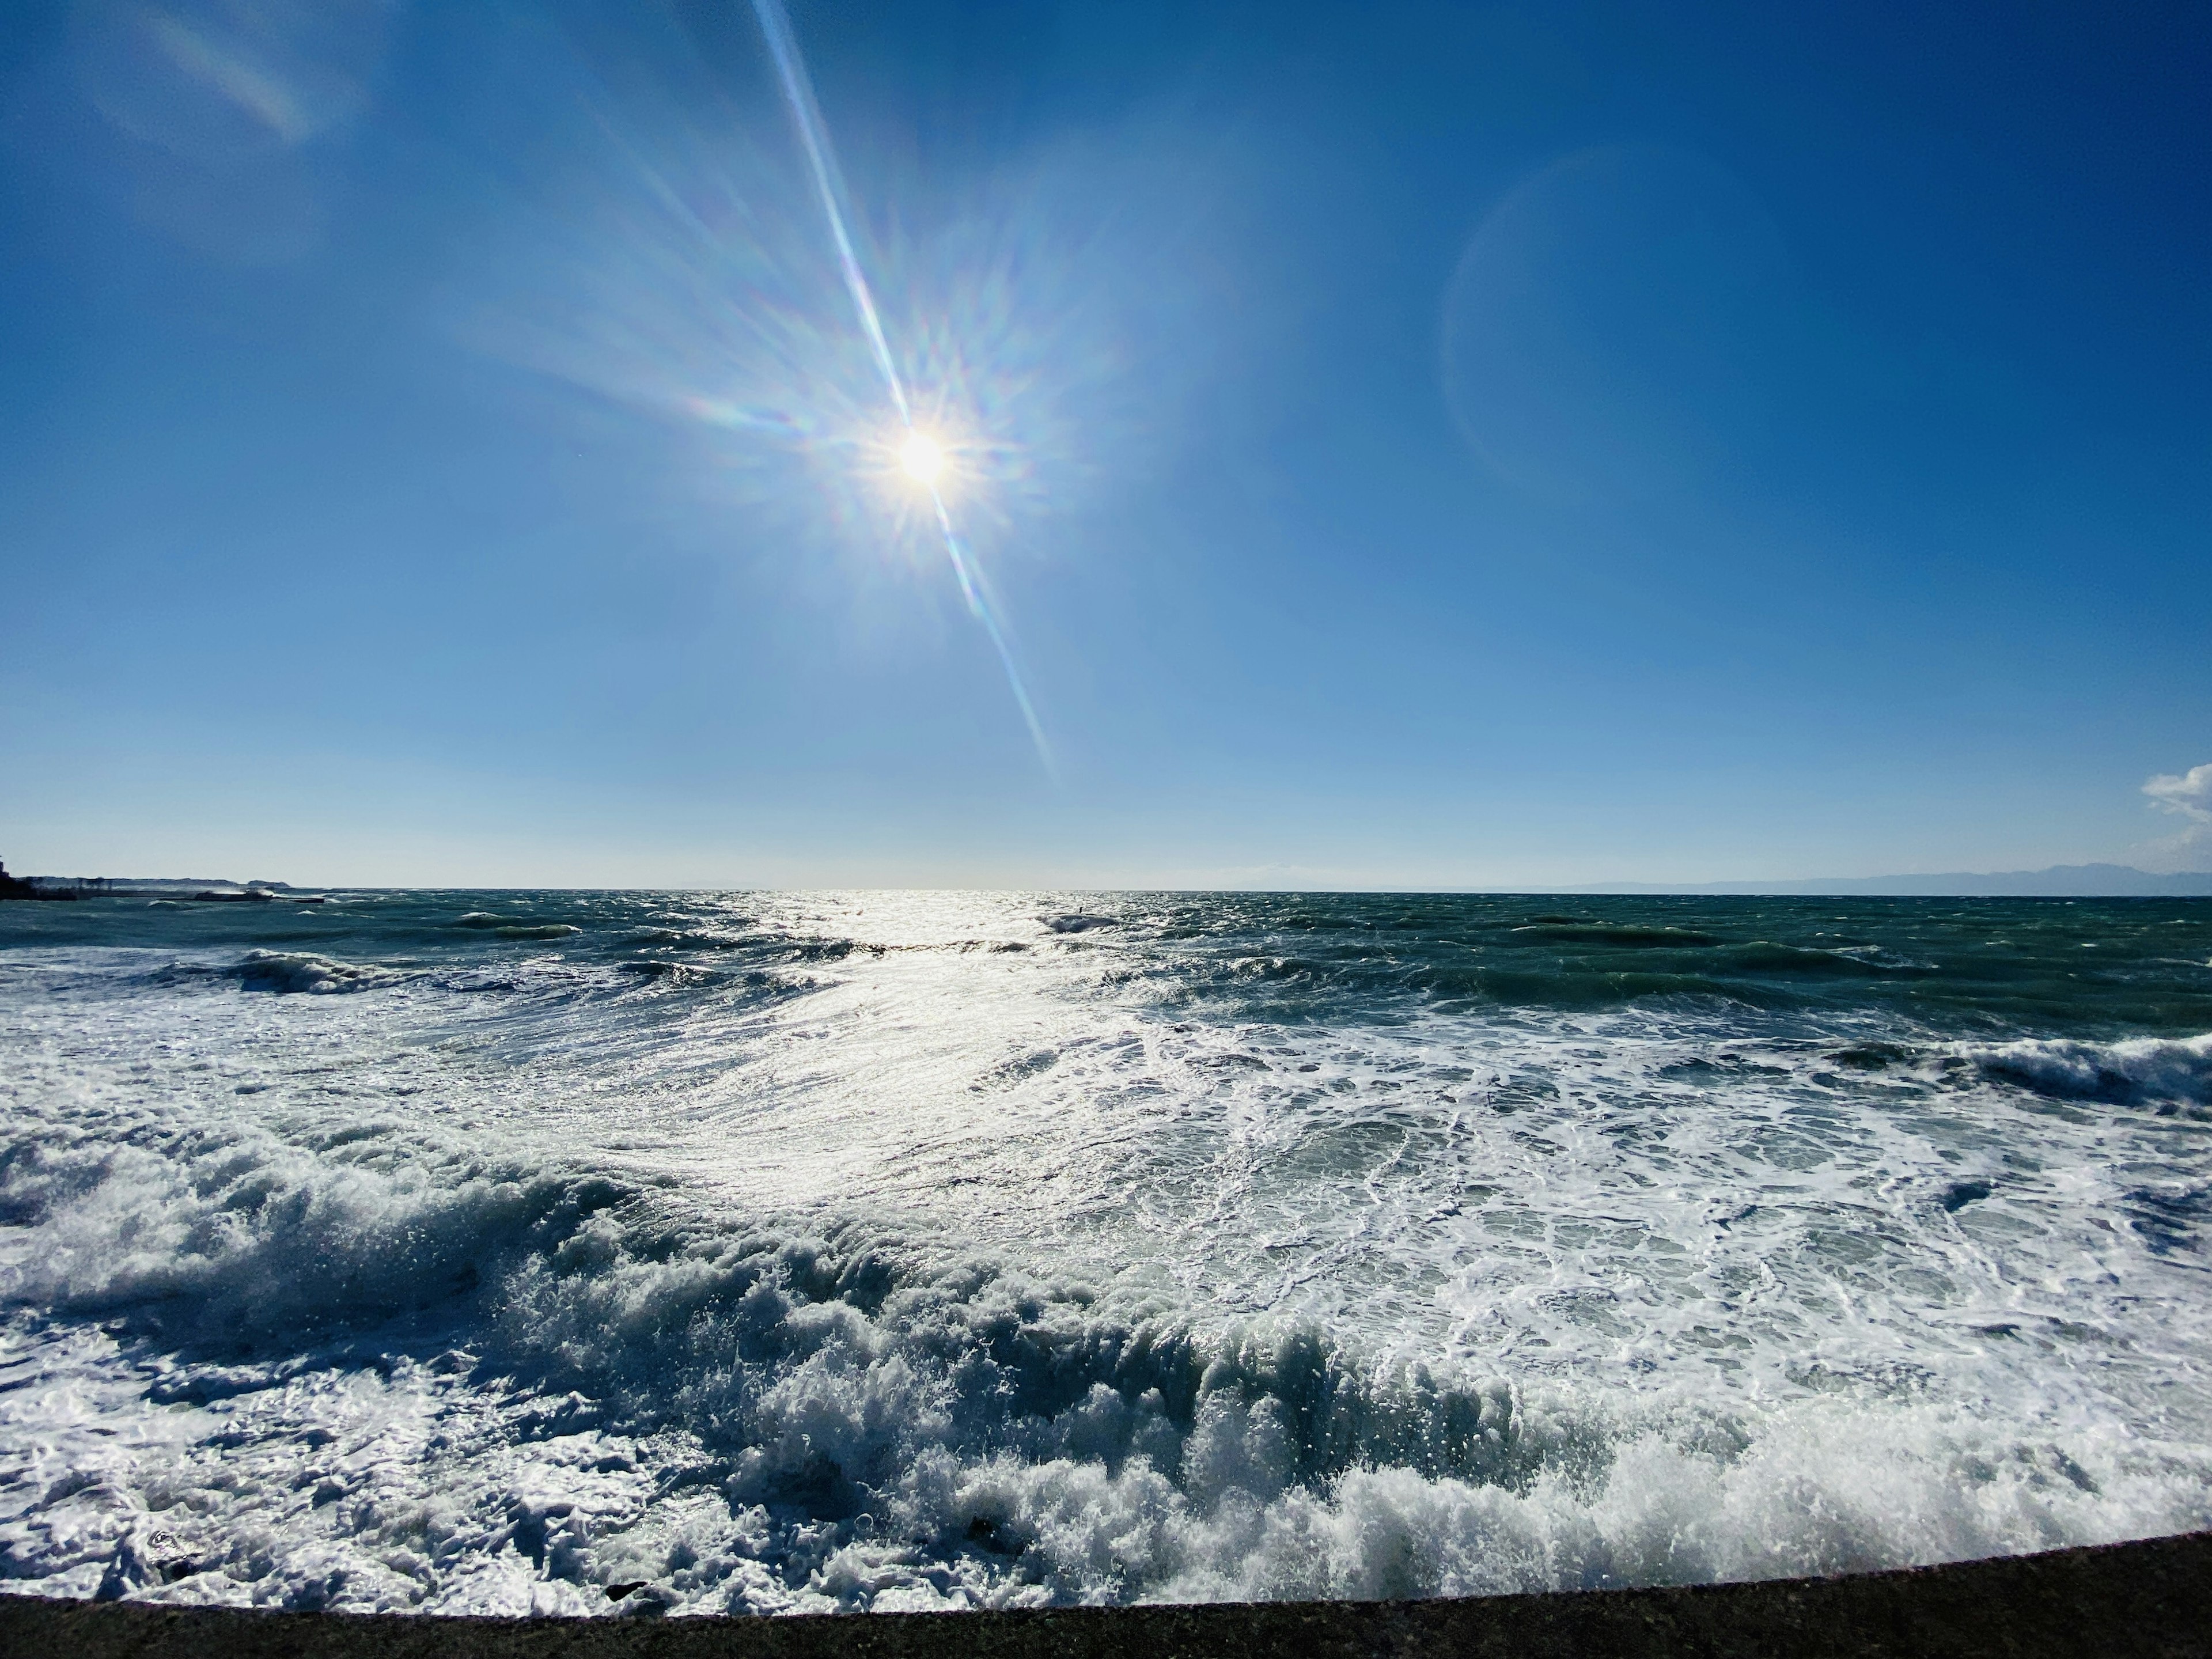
column 2153, row 1596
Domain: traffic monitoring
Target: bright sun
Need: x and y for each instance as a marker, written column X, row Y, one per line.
column 922, row 459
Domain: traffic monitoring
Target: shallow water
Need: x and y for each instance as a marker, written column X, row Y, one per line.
column 474, row 1252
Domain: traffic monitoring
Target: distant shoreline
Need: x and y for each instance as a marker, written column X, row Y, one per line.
column 180, row 890
column 2058, row 881
column 2104, row 881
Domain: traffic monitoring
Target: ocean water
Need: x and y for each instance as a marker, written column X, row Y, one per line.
column 628, row 1253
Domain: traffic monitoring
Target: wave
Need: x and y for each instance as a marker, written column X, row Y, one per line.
column 2135, row 1069
column 488, row 922
column 768, row 946
column 288, row 971
column 854, row 1417
column 282, row 973
column 485, row 1310
column 661, row 972
column 238, row 1240
column 1563, row 932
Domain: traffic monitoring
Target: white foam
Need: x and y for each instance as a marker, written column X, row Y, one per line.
column 2134, row 1068
column 426, row 1485
column 285, row 971
column 978, row 1277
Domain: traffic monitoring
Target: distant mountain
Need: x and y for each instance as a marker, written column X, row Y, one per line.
column 2060, row 881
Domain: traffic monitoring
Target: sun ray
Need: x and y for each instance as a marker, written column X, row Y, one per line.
column 922, row 456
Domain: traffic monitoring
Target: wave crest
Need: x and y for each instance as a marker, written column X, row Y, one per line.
column 2135, row 1069
column 771, row 1422
column 286, row 972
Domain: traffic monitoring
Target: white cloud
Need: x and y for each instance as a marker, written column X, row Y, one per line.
column 2189, row 794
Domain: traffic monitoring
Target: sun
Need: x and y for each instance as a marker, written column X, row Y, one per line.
column 921, row 458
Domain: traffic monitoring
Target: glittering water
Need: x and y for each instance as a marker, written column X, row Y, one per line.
column 476, row 1252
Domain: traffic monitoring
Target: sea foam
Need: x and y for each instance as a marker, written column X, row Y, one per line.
column 754, row 1422
column 2134, row 1069
column 777, row 1257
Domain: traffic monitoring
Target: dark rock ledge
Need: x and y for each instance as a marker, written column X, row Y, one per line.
column 2149, row 1598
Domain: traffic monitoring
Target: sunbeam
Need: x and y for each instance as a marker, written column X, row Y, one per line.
column 918, row 454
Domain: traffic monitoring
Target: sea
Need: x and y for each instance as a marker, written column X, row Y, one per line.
column 626, row 1254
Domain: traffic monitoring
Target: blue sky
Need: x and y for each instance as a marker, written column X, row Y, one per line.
column 1404, row 446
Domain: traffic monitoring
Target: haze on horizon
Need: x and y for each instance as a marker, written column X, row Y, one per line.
column 1413, row 446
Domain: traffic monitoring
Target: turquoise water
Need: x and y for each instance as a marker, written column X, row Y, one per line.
column 469, row 1252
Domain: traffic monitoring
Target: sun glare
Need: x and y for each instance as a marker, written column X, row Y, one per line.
column 922, row 459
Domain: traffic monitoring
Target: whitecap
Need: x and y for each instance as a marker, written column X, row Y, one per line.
column 287, row 971
column 2132, row 1069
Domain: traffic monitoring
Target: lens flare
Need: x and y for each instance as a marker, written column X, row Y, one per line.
column 922, row 459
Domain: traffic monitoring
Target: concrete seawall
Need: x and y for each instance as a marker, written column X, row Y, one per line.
column 2149, row 1598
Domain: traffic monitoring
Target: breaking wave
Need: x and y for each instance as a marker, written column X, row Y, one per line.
column 2134, row 1069
column 717, row 1417
column 808, row 1253
column 285, row 972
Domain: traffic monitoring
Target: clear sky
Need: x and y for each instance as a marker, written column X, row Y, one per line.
column 1403, row 445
